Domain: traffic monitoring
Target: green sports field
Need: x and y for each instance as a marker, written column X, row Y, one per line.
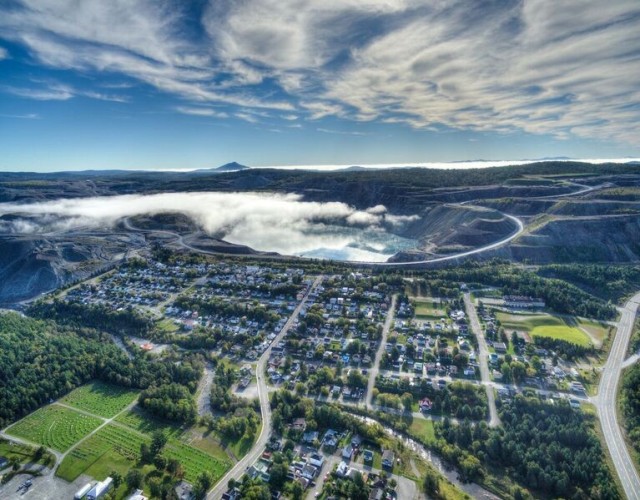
column 546, row 325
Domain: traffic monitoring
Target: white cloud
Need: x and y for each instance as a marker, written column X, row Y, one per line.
column 27, row 116
column 145, row 40
column 53, row 91
column 4, row 53
column 564, row 68
column 190, row 110
column 271, row 222
column 41, row 94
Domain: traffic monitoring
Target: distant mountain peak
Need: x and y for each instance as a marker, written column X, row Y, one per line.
column 231, row 167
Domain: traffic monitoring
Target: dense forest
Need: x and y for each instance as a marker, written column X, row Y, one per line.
column 550, row 449
column 607, row 282
column 101, row 317
column 630, row 402
column 41, row 361
column 170, row 401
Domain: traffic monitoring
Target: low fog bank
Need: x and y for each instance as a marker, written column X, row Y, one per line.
column 264, row 221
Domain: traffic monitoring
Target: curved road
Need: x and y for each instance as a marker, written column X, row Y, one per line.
column 606, row 402
column 238, row 470
column 491, row 246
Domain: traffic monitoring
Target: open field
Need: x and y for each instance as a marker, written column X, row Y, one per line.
column 422, row 428
column 195, row 461
column 428, row 308
column 55, row 427
column 101, row 399
column 546, row 325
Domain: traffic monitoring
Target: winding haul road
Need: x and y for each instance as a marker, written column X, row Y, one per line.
column 491, row 246
column 238, row 470
column 606, row 401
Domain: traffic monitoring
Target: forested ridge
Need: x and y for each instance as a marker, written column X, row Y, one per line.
column 607, row 282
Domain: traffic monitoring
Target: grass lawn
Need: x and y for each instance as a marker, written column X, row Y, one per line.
column 195, row 461
column 596, row 329
column 241, row 447
column 545, row 325
column 207, row 441
column 423, row 429
column 101, row 399
column 427, row 308
column 167, row 326
column 55, row 427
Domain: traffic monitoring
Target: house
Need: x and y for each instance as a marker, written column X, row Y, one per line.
column 425, row 405
column 347, row 452
column 342, row 470
column 138, row 495
column 388, row 459
column 310, row 436
column 500, row 347
column 367, row 455
column 316, row 460
column 4, row 461
column 376, row 494
column 100, row 489
column 309, row 472
column 330, row 441
column 233, row 494
column 356, row 441
column 299, row 424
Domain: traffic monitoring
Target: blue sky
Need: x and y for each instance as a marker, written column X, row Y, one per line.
column 179, row 84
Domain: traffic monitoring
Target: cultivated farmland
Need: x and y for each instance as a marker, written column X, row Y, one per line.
column 55, row 427
column 111, row 448
column 101, row 399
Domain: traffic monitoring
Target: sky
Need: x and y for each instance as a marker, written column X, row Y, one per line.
column 173, row 84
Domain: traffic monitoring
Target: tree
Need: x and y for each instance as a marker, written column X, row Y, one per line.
column 430, row 482
column 296, row 491
column 160, row 462
column 117, row 479
column 134, row 478
column 407, row 401
column 278, row 475
column 174, row 467
column 158, row 440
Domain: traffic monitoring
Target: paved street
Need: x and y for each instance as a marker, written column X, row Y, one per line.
column 606, row 401
column 238, row 470
column 483, row 355
column 373, row 373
